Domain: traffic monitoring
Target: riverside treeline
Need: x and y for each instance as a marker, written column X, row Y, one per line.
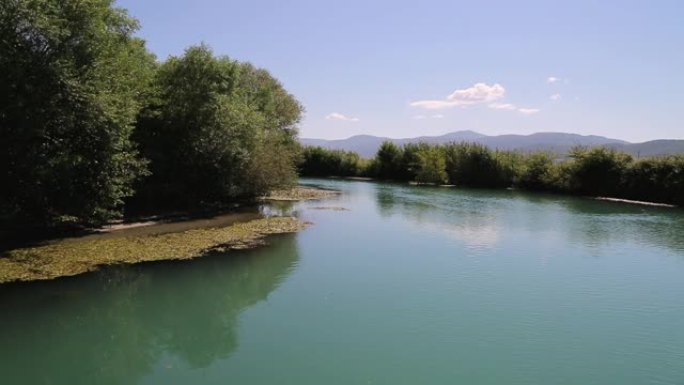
column 598, row 171
column 91, row 124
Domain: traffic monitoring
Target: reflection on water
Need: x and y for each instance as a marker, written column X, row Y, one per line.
column 478, row 218
column 410, row 286
column 115, row 326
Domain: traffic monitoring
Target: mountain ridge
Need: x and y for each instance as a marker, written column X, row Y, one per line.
column 557, row 142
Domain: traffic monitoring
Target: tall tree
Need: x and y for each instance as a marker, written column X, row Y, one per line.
column 217, row 130
column 388, row 160
column 72, row 79
column 431, row 166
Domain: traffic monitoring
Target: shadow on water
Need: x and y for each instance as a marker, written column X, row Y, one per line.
column 120, row 324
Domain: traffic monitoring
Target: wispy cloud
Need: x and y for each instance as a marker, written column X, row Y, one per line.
column 528, row 111
column 512, row 107
column 340, row 117
column 557, row 80
column 478, row 93
column 556, row 97
column 502, row 106
column 422, row 117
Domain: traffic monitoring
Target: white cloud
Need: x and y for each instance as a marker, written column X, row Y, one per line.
column 341, row 117
column 502, row 106
column 556, row 97
column 421, row 117
column 557, row 80
column 512, row 107
column 528, row 111
column 478, row 93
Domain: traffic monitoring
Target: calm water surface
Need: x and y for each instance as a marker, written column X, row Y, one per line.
column 409, row 286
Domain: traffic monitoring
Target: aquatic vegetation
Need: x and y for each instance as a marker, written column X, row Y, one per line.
column 76, row 257
column 300, row 193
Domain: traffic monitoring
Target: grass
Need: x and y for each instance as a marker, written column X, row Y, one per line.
column 77, row 257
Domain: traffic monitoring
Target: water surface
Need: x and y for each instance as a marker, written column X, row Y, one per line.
column 411, row 285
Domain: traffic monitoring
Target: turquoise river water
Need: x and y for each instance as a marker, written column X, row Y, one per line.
column 406, row 285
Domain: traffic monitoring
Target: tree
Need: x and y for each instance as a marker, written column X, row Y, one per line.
column 388, row 161
column 431, row 166
column 319, row 161
column 217, row 130
column 410, row 160
column 598, row 171
column 72, row 79
column 536, row 171
column 472, row 164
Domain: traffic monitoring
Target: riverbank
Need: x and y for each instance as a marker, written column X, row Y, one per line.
column 152, row 239
column 78, row 257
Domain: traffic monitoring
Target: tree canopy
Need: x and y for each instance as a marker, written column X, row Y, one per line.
column 90, row 121
column 72, row 79
column 216, row 130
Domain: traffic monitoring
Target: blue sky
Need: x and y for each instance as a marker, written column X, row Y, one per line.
column 411, row 68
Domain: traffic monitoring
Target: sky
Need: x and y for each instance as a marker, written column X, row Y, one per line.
column 412, row 68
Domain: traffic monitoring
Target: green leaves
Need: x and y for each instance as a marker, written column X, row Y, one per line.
column 75, row 82
column 71, row 84
column 218, row 130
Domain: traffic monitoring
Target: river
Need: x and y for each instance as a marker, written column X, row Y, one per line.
column 392, row 284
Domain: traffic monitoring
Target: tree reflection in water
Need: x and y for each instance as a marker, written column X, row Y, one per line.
column 117, row 325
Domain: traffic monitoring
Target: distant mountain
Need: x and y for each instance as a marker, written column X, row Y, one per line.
column 654, row 147
column 560, row 143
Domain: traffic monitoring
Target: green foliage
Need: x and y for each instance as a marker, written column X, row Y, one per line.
column 80, row 95
column 592, row 172
column 597, row 171
column 265, row 93
column 536, row 172
column 319, row 161
column 72, row 79
column 472, row 164
column 217, row 130
column 388, row 161
column 410, row 161
column 656, row 179
column 431, row 167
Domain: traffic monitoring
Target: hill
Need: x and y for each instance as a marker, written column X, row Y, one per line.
column 557, row 142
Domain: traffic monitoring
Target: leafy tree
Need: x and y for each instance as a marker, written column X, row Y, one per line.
column 472, row 164
column 319, row 161
column 656, row 179
column 431, row 166
column 536, row 171
column 217, row 130
column 265, row 93
column 597, row 171
column 72, row 79
column 410, row 160
column 388, row 161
